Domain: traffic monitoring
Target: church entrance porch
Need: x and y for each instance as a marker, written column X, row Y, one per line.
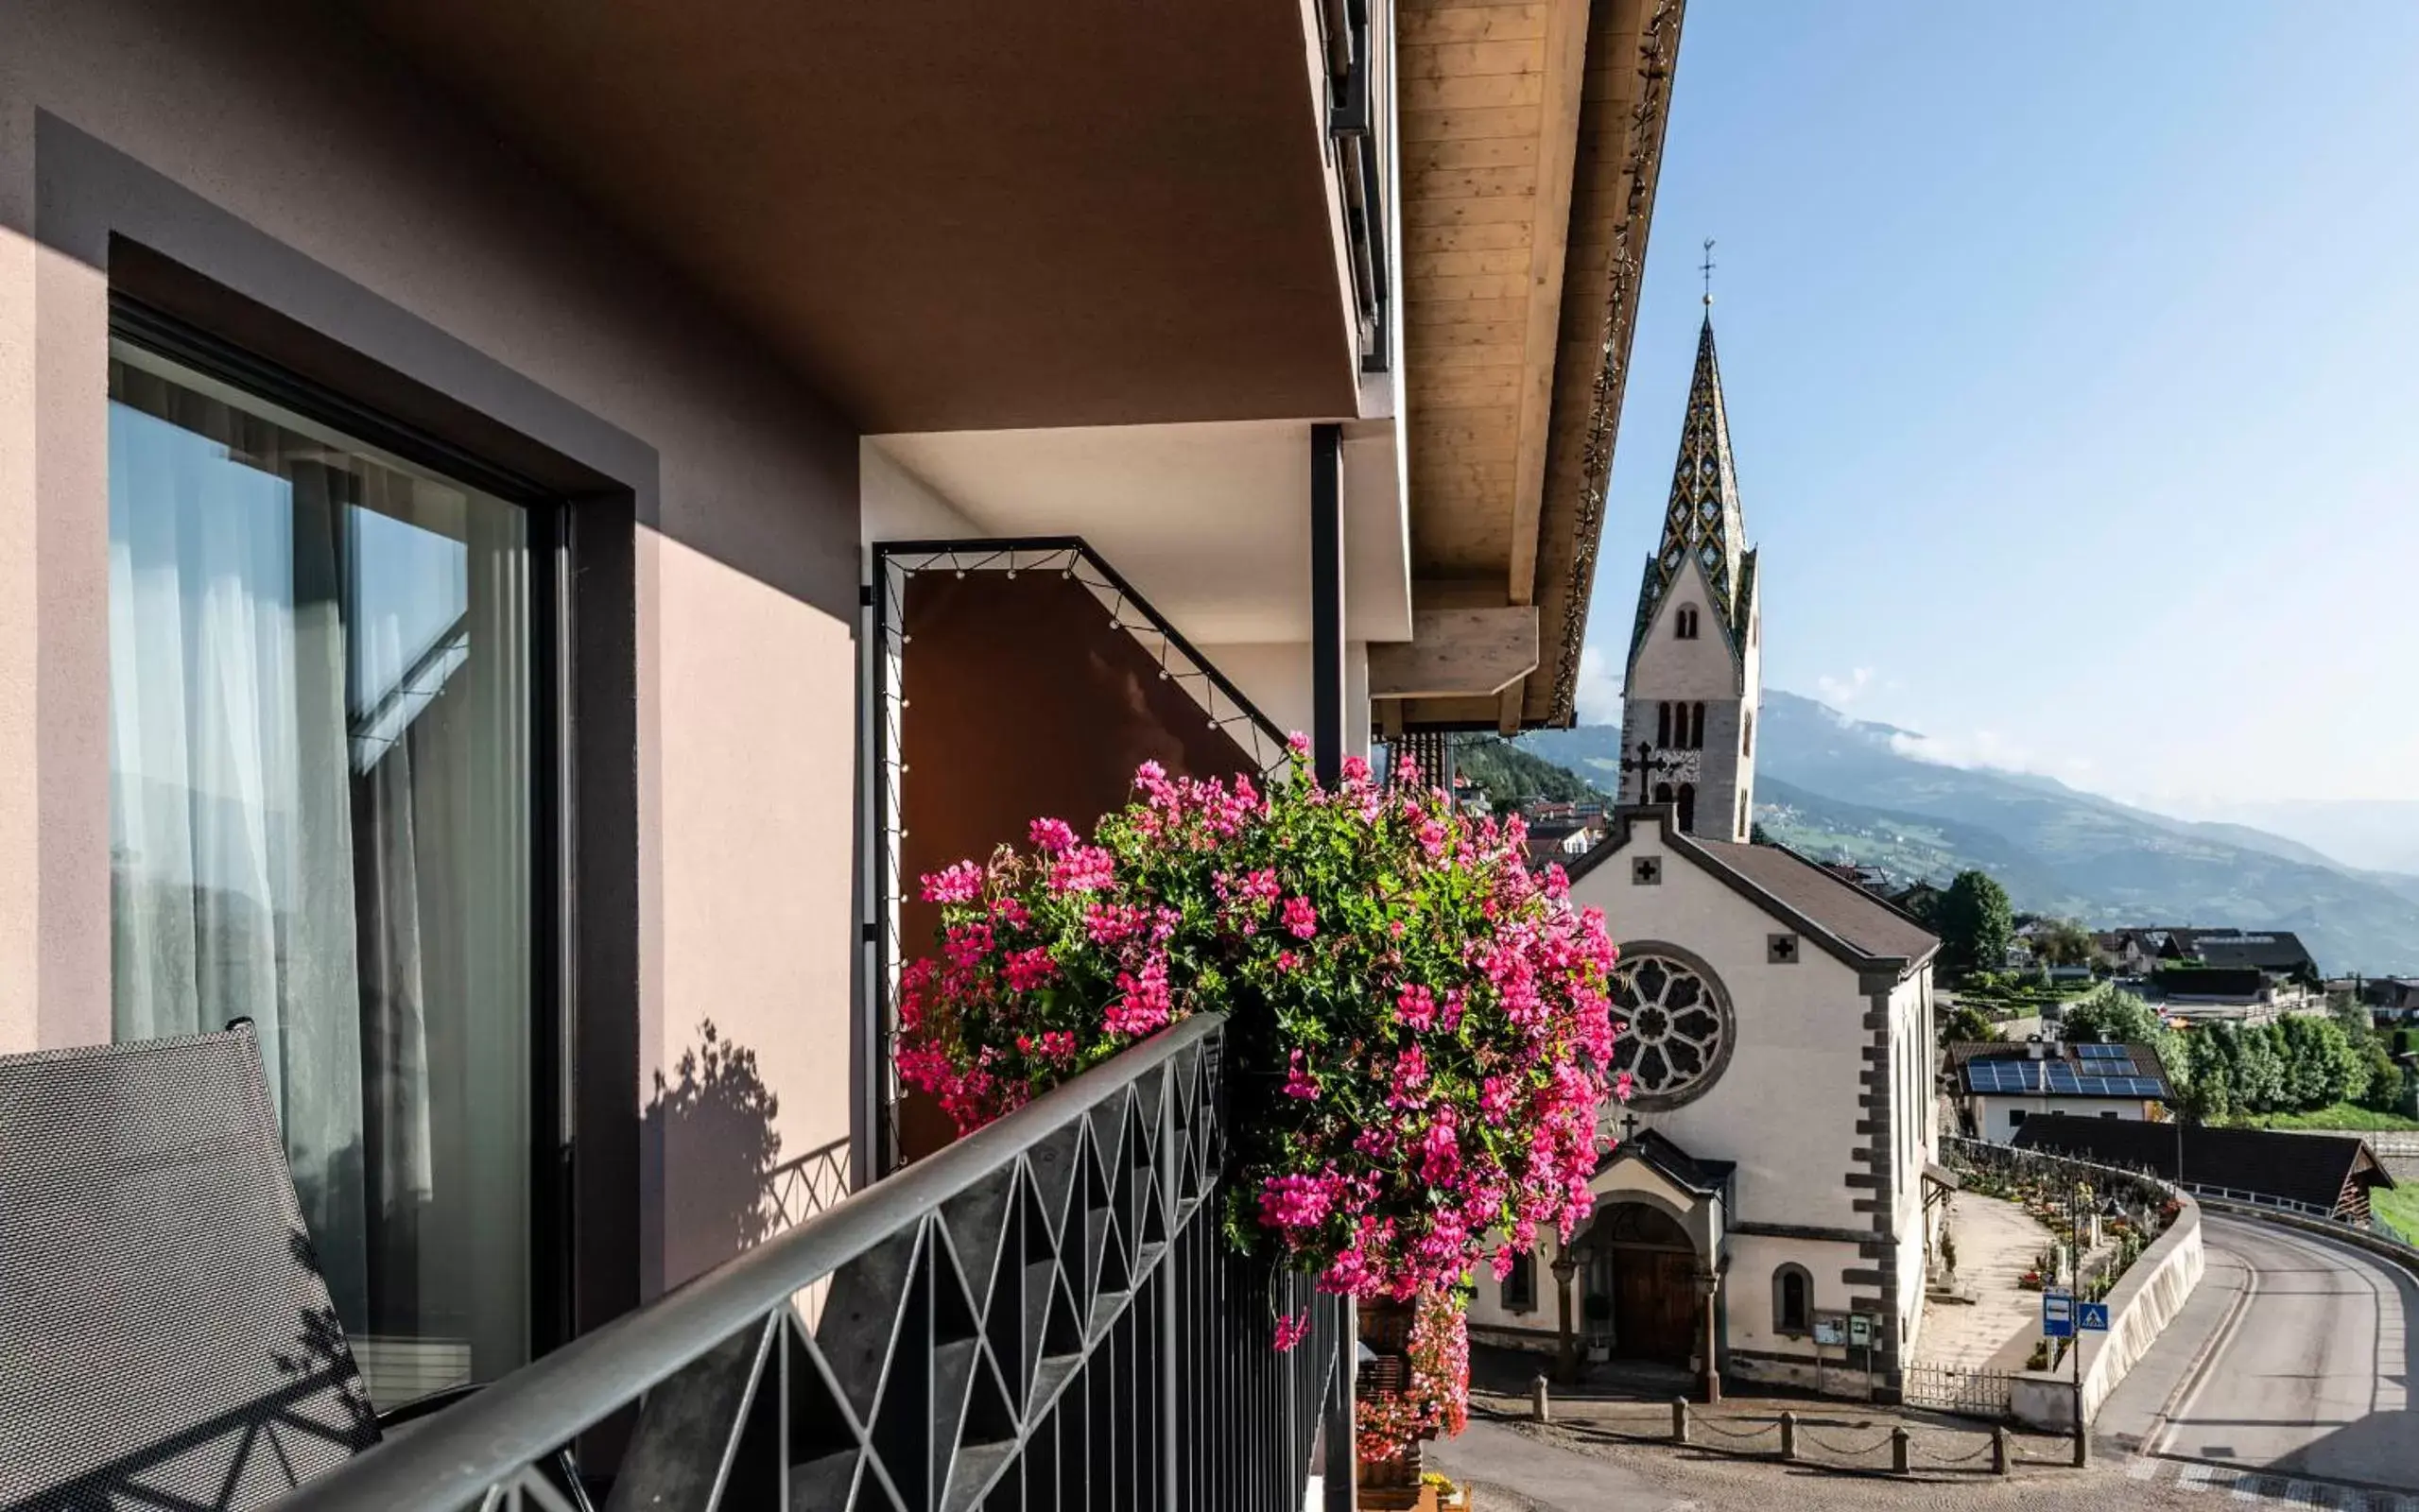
column 1645, row 1273
column 1642, row 1285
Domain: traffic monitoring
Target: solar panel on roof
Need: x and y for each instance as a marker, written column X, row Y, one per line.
column 2102, row 1051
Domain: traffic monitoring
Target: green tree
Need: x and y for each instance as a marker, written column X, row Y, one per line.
column 1975, row 923
column 2211, row 1055
column 1969, row 1024
column 2260, row 1072
column 2385, row 1089
column 2123, row 1018
column 2322, row 1065
column 2065, row 943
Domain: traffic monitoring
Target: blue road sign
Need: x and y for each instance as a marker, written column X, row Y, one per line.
column 2058, row 1314
column 2093, row 1317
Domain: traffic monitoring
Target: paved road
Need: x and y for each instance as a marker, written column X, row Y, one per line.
column 2291, row 1356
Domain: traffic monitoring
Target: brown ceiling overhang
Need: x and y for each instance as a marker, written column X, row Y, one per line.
column 1532, row 135
column 952, row 217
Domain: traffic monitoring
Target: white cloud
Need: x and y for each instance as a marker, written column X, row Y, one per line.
column 1842, row 692
column 1599, row 695
column 1984, row 749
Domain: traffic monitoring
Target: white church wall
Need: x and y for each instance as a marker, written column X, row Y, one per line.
column 1535, row 1327
column 1759, row 1350
column 1911, row 1124
column 1785, row 1106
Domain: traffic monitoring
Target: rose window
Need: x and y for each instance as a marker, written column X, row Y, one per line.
column 1675, row 1028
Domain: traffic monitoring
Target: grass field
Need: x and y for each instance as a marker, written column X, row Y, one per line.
column 2344, row 1116
column 2399, row 1208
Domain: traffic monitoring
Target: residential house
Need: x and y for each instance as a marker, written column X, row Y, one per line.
column 525, row 528
column 1999, row 1088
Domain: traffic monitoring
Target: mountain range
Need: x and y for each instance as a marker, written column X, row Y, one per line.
column 1838, row 788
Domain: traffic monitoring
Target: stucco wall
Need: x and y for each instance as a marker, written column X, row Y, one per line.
column 1998, row 1118
column 1785, row 1106
column 283, row 158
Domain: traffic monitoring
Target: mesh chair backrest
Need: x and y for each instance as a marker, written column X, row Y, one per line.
column 164, row 1337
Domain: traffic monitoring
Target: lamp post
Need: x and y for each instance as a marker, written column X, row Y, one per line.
column 2077, row 1200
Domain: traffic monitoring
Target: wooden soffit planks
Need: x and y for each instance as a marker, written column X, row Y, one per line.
column 1531, row 130
column 1457, row 652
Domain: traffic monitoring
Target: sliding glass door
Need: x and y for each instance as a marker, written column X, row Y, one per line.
column 322, row 782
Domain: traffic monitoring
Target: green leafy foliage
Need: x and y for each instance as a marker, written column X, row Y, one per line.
column 1966, row 1024
column 1975, row 923
column 1510, row 776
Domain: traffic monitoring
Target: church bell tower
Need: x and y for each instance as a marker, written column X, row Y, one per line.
column 1695, row 679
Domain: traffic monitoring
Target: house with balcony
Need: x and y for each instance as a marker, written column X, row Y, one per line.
column 526, row 527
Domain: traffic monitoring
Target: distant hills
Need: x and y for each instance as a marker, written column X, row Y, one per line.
column 1842, row 788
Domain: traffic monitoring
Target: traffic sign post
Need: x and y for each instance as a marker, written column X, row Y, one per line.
column 2058, row 1314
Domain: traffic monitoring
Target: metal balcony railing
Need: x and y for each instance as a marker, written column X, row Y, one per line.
column 1041, row 1315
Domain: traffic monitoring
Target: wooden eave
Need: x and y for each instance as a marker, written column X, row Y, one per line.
column 1531, row 131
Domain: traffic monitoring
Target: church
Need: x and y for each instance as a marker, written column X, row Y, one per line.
column 1765, row 1207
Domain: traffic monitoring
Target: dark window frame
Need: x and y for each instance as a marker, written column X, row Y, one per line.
column 553, row 1258
column 1520, row 1284
column 1783, row 1322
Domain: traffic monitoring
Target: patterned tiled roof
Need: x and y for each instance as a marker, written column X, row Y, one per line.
column 1703, row 526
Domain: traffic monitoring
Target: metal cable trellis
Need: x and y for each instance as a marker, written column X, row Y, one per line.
column 1224, row 706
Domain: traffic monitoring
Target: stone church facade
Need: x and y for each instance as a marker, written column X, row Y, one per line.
column 1768, row 1180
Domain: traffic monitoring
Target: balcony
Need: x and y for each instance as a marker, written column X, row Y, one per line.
column 1043, row 1314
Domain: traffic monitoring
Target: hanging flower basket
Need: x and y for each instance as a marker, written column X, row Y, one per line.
column 1418, row 1032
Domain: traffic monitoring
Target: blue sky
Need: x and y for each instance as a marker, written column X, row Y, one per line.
column 2072, row 356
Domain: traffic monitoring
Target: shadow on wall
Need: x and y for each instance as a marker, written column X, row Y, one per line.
column 711, row 1132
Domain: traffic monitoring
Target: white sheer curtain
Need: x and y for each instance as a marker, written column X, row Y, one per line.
column 322, row 767
column 231, row 814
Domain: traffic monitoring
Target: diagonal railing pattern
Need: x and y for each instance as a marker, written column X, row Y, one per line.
column 1041, row 1315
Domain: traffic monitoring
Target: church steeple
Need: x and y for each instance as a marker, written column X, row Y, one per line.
column 1695, row 672
column 1701, row 524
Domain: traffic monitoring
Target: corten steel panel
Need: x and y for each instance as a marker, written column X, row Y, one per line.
column 954, row 217
column 1022, row 700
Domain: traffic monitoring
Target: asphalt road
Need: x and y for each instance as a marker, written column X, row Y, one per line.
column 2291, row 1356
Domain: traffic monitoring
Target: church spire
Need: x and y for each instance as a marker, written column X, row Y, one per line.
column 1702, row 523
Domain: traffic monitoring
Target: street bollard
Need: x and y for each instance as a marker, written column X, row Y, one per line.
column 1788, row 1436
column 1998, row 1448
column 1680, row 1419
column 1539, row 1411
column 1898, row 1450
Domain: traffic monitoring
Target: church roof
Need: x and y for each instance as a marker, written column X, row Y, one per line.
column 1662, row 1155
column 1842, row 908
column 1841, row 918
column 1703, row 526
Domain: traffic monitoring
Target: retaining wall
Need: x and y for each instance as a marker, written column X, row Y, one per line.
column 2146, row 1300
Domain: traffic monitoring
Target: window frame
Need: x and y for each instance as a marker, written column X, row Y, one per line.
column 552, row 1256
column 1523, row 1269
column 1782, row 1275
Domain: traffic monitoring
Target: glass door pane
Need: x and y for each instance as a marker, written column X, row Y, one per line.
column 320, row 800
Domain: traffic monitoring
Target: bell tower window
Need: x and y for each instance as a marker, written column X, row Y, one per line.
column 1684, row 625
